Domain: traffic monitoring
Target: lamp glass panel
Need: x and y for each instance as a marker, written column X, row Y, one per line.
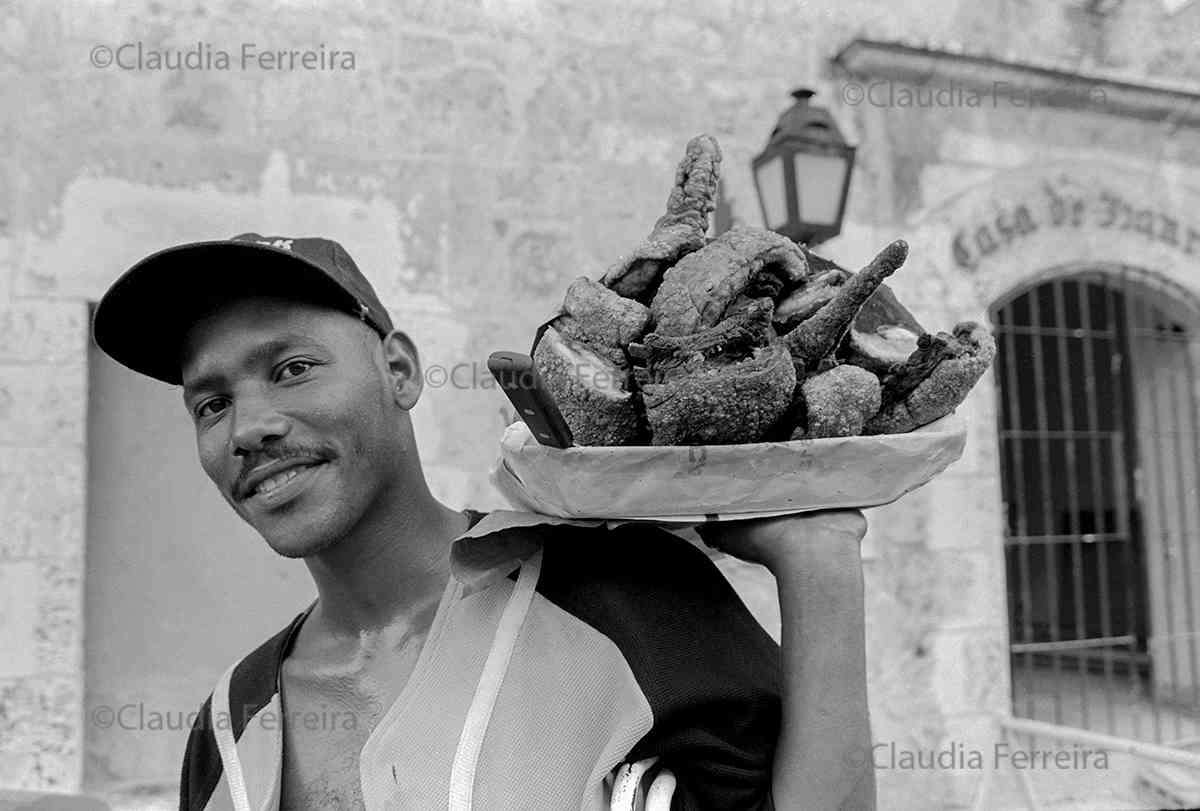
column 773, row 192
column 819, row 186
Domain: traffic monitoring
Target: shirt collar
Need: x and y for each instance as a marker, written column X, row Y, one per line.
column 492, row 548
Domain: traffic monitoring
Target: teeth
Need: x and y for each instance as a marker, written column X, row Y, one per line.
column 278, row 480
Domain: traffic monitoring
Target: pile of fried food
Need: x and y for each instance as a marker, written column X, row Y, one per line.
column 748, row 337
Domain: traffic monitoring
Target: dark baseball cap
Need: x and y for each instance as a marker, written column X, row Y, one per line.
column 142, row 320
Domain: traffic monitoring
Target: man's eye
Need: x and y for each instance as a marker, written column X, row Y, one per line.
column 211, row 407
column 294, row 368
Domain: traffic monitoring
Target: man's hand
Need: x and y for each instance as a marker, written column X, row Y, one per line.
column 824, row 543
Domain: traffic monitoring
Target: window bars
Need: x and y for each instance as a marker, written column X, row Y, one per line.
column 1099, row 455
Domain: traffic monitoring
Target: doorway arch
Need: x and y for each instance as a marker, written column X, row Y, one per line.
column 1099, row 441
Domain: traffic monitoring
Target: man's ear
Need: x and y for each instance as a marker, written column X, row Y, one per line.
column 404, row 369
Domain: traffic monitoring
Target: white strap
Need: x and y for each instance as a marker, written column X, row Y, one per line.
column 470, row 742
column 223, row 732
column 658, row 798
column 629, row 780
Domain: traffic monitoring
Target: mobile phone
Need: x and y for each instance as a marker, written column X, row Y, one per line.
column 517, row 375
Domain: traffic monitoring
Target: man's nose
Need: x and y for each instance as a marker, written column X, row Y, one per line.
column 256, row 424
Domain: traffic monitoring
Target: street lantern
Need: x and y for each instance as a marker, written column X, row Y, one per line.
column 803, row 175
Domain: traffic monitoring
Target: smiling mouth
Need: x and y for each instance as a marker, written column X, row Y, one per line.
column 282, row 484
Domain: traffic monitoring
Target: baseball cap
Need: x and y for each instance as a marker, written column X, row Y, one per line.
column 142, row 319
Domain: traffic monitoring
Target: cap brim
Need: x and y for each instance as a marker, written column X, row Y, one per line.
column 144, row 317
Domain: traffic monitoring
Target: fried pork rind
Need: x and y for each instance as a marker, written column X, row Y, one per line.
column 591, row 392
column 883, row 335
column 748, row 337
column 737, row 267
column 837, row 402
column 815, row 338
column 685, row 378
column 945, row 378
column 602, row 319
column 722, row 404
column 803, row 302
column 680, row 230
column 664, row 357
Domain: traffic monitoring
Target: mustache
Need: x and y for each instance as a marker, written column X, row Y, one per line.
column 280, row 453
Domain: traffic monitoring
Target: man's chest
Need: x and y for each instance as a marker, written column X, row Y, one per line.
column 328, row 715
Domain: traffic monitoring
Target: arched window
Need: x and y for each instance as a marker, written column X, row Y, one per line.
column 1099, row 457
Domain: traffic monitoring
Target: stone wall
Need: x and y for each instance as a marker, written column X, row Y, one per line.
column 477, row 158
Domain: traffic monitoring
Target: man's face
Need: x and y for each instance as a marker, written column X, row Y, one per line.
column 294, row 419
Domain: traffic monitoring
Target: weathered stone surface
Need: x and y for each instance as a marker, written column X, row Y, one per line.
column 944, row 179
column 42, row 405
column 40, row 732
column 43, row 332
column 920, row 589
column 559, row 105
column 543, row 261
column 421, row 52
column 900, row 523
column 541, row 191
column 464, row 100
column 82, row 262
column 972, row 741
column 451, row 374
column 508, row 51
column 18, row 619
column 60, row 621
column 971, row 670
column 964, row 511
column 42, row 501
column 974, row 599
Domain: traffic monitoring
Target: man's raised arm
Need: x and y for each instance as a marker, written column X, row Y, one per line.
column 823, row 757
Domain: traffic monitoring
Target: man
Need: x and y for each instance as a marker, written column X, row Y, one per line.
column 456, row 659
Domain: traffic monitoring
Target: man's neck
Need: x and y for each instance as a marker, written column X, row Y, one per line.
column 388, row 573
